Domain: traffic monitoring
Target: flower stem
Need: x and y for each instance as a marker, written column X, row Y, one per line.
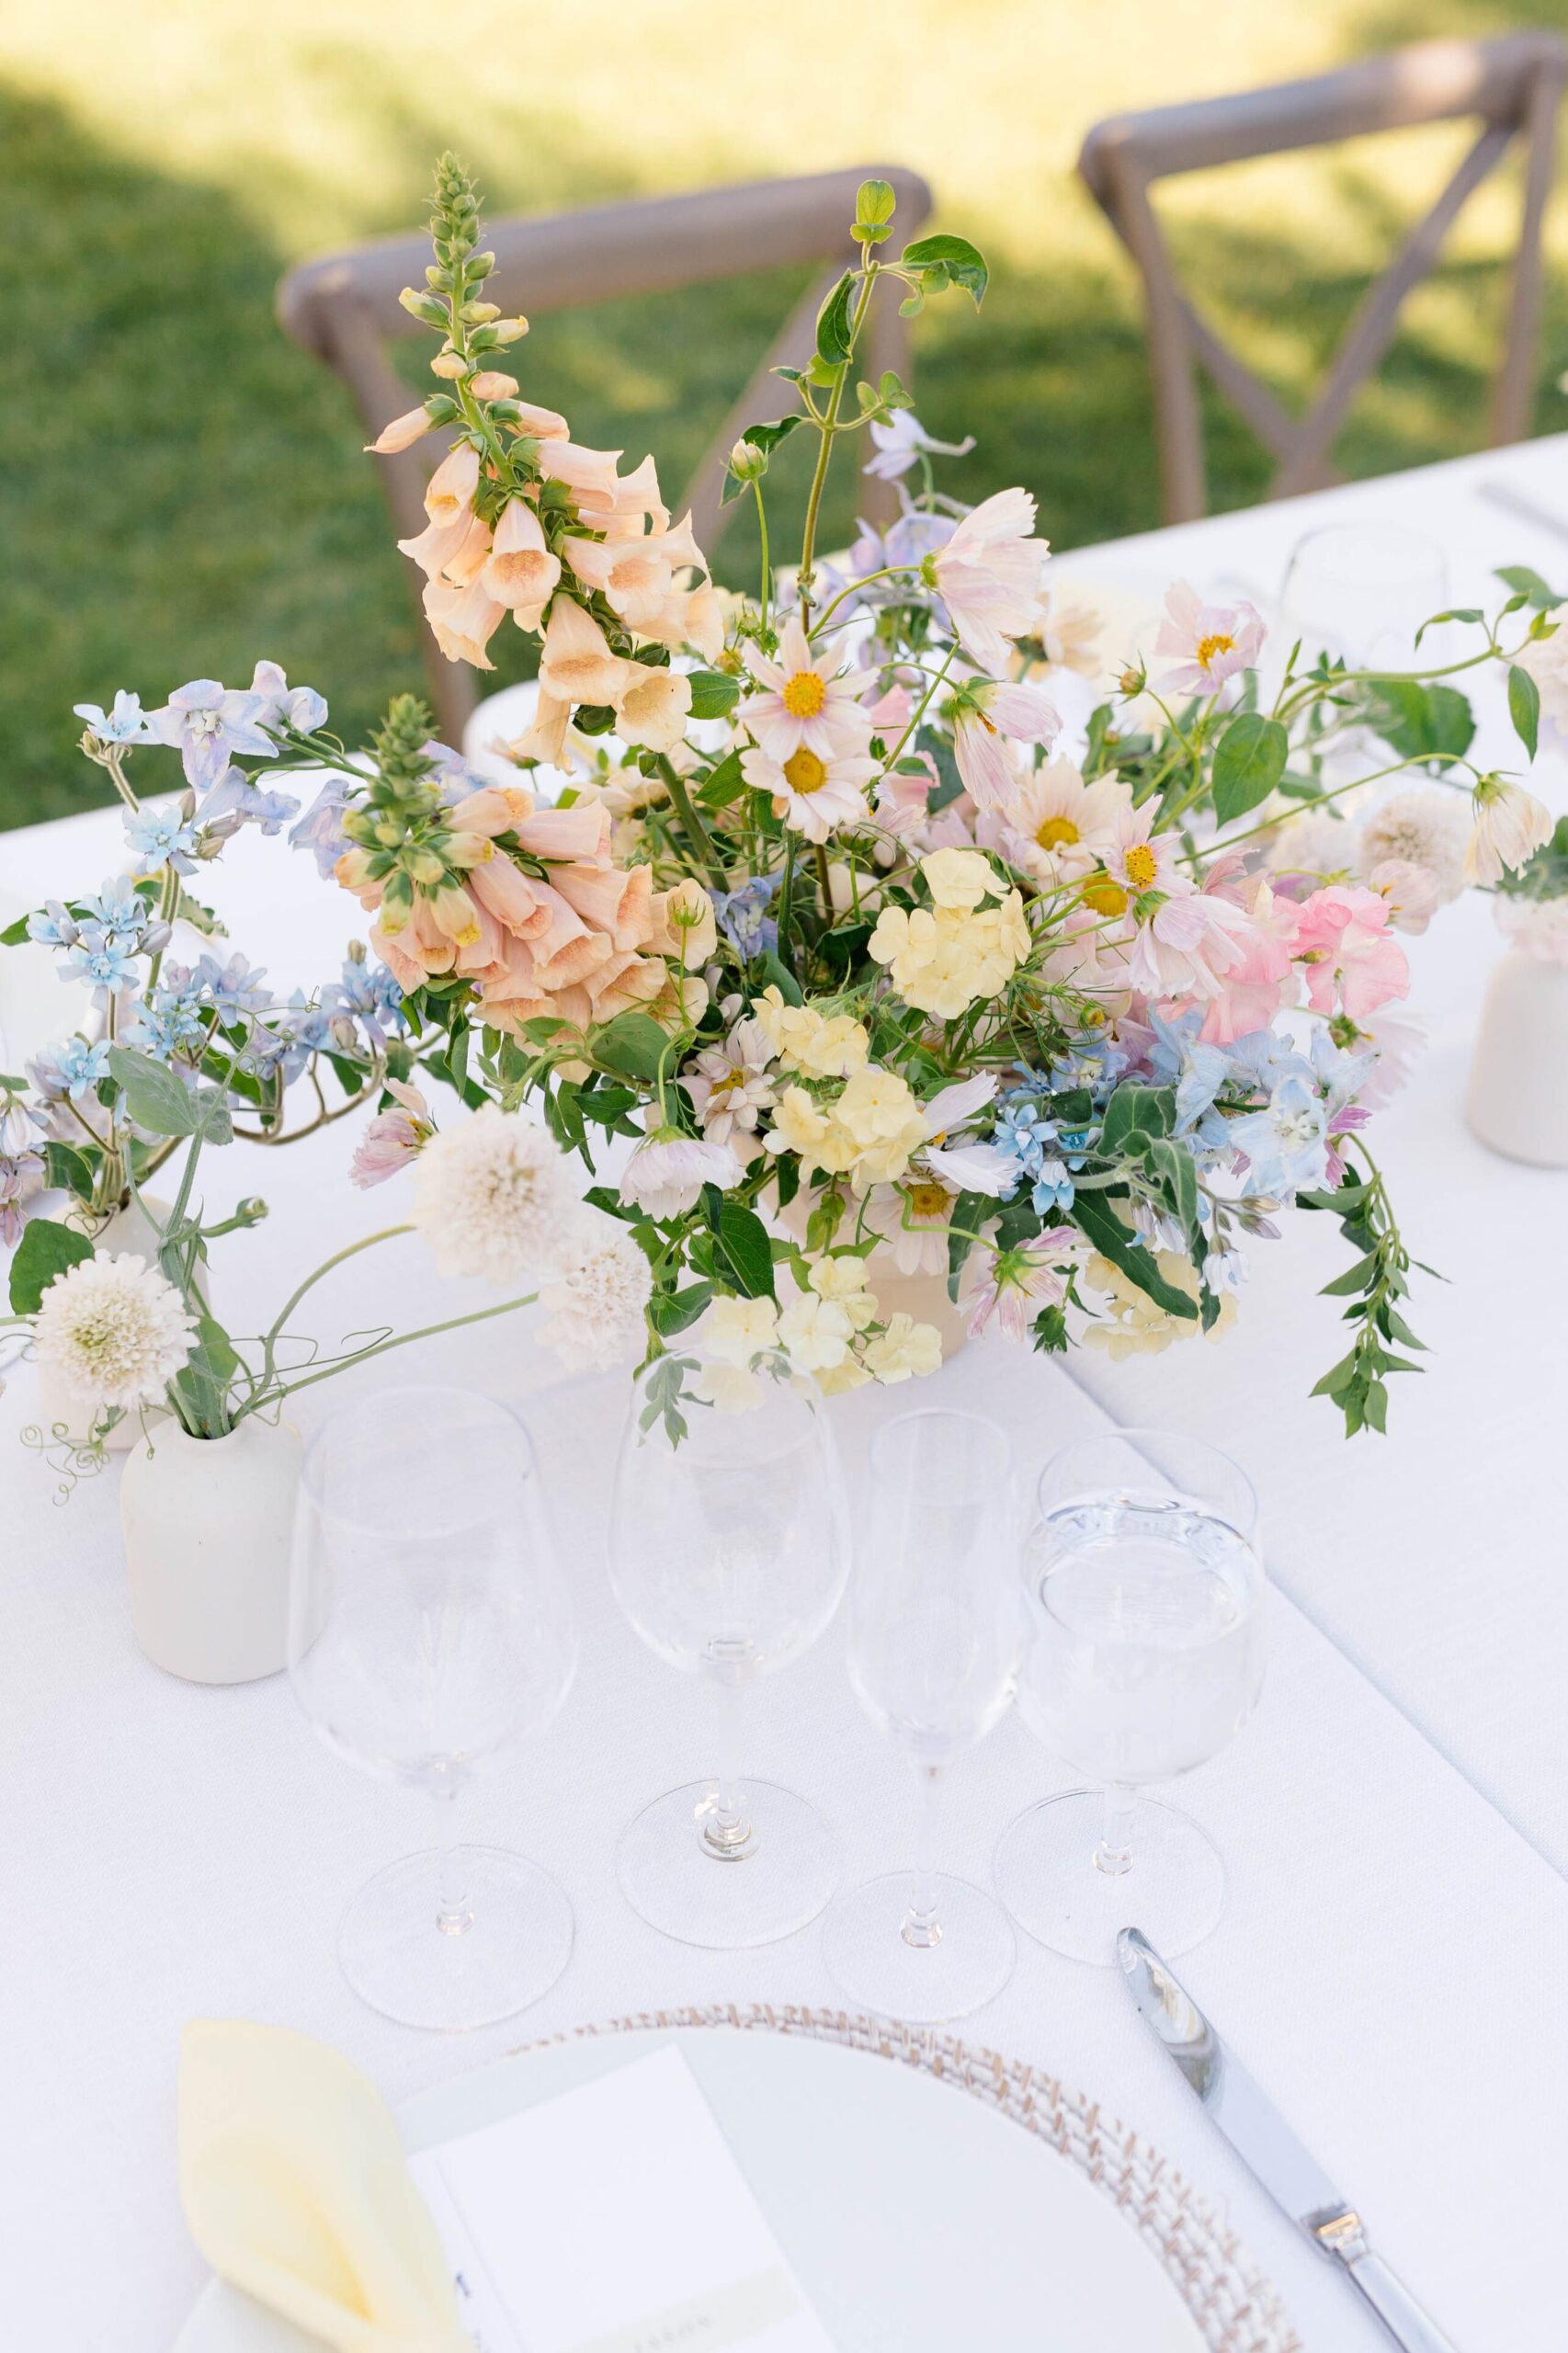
column 701, row 839
column 826, row 428
column 270, row 1337
column 399, row 1340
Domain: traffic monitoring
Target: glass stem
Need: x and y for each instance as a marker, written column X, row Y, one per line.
column 921, row 1927
column 1113, row 1853
column 726, row 1830
column 454, row 1908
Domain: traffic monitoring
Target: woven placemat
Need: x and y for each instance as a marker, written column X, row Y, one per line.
column 1235, row 2306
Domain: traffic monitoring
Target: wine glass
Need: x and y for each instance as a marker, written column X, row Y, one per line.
column 729, row 1552
column 429, row 1627
column 934, row 1636
column 1363, row 590
column 1144, row 1593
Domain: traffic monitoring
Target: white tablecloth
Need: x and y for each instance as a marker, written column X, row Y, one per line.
column 1388, row 1961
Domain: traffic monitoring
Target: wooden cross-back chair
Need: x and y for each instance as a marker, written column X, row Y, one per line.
column 1512, row 84
column 344, row 308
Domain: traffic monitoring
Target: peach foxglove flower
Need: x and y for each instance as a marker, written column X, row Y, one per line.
column 804, row 706
column 521, row 572
column 540, row 424
column 987, row 575
column 1511, row 824
column 1209, row 643
column 811, row 794
column 493, row 384
column 650, row 710
column 666, row 1175
column 618, row 511
column 462, row 621
column 400, row 434
column 450, row 492
column 432, row 548
column 592, row 471
column 576, row 666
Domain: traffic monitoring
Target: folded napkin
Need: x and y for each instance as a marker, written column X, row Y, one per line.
column 296, row 2188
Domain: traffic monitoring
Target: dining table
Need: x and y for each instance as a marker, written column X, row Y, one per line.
column 1391, row 1961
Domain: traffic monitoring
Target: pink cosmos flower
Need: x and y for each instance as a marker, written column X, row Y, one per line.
column 1014, row 1285
column 813, row 795
column 1413, row 893
column 988, row 576
column 392, row 1138
column 1352, row 960
column 1187, row 948
column 1207, row 643
column 804, row 706
column 989, row 714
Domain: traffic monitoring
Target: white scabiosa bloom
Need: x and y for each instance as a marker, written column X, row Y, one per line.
column 666, row 1175
column 596, row 1306
column 114, row 1331
column 1425, row 826
column 494, row 1196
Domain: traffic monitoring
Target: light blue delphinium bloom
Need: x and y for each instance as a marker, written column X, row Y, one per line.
column 126, row 723
column 101, row 960
column 53, row 926
column 118, row 907
column 1287, row 1142
column 455, row 777
column 1054, row 1187
column 208, row 723
column 1198, row 1071
column 369, row 994
column 743, row 918
column 320, row 830
column 238, row 795
column 162, row 837
column 1257, row 1062
column 233, row 990
column 299, row 708
column 73, row 1068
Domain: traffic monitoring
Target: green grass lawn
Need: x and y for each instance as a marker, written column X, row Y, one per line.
column 181, row 489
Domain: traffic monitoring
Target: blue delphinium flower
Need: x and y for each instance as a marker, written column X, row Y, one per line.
column 237, row 795
column 120, row 908
column 73, row 1068
column 53, row 926
column 126, row 723
column 1287, row 1142
column 369, row 994
column 285, row 706
column 100, row 960
column 320, row 830
column 162, row 837
column 233, row 990
column 744, row 917
column 208, row 723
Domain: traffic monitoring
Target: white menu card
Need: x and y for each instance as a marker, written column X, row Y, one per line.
column 613, row 2219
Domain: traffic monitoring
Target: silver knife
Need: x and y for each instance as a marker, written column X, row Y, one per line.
column 1260, row 2136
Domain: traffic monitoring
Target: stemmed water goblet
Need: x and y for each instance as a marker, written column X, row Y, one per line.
column 429, row 1628
column 934, row 1636
column 729, row 1552
column 1144, row 1596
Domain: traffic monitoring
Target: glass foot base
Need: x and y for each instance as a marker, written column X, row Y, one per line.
column 752, row 1891
column 868, row 1957
column 1047, row 1877
column 398, row 1959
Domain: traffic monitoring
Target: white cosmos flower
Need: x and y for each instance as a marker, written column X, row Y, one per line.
column 1425, row 826
column 965, row 1166
column 804, row 706
column 596, row 1306
column 988, row 576
column 494, row 1196
column 919, row 1247
column 1057, row 828
column 1511, row 824
column 811, row 793
column 728, row 1083
column 666, row 1175
column 1023, row 714
column 114, row 1331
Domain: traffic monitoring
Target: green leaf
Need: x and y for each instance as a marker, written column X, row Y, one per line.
column 742, row 1251
column 1136, row 1111
column 1093, row 1216
column 725, row 786
column 765, row 437
column 1354, row 1279
column 671, row 1312
column 773, row 969
column 1421, row 723
column 1529, row 585
column 967, row 1212
column 632, row 1043
column 15, row 933
column 944, row 261
column 69, row 1169
column 1248, row 764
column 1524, row 707
column 160, row 1102
column 713, row 696
column 44, row 1251
column 834, row 324
column 1171, row 1165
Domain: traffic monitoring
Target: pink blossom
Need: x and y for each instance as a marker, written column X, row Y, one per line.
column 1018, row 1283
column 1209, row 643
column 988, row 576
column 392, row 1138
column 1352, row 960
column 1253, row 989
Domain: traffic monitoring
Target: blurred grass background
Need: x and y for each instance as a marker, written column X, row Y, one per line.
column 182, row 491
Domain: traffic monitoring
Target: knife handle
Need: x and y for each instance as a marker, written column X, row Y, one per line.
column 1409, row 2326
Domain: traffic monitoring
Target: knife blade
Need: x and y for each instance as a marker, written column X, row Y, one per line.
column 1266, row 2145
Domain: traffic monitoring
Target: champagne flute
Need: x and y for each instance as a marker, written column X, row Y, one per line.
column 1145, row 1592
column 429, row 1628
column 935, row 1638
column 729, row 1552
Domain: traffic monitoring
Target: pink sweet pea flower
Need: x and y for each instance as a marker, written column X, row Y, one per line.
column 1253, row 989
column 1209, row 643
column 392, row 1138
column 1352, row 960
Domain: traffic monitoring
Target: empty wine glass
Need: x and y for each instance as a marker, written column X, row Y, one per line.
column 935, row 1634
column 1144, row 1593
column 429, row 1627
column 729, row 1551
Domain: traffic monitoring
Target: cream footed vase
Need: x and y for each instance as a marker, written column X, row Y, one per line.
column 208, row 1526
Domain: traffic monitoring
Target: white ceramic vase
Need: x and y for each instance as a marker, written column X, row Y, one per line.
column 921, row 1297
column 1518, row 1102
column 208, row 1524
column 128, row 1231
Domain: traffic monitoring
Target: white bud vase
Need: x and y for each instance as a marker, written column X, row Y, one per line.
column 130, row 1231
column 1518, row 1102
column 208, row 1526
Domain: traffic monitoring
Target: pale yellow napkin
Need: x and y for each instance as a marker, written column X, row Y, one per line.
column 296, row 2188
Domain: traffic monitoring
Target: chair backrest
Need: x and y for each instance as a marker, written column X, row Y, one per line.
column 344, row 308
column 1513, row 84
